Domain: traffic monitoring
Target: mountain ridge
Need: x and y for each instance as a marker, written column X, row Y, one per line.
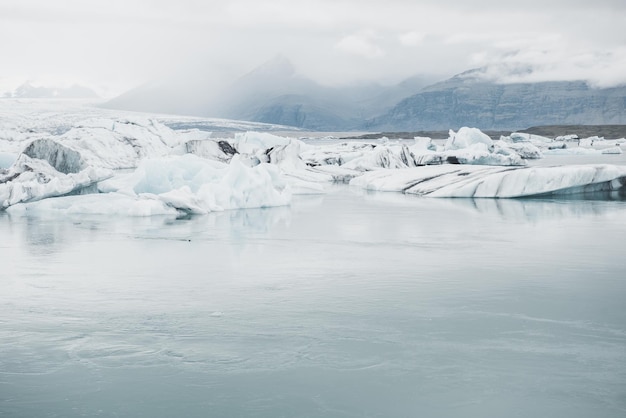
column 460, row 102
column 29, row 91
column 275, row 93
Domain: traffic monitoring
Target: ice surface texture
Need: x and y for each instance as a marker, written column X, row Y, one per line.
column 139, row 167
column 495, row 182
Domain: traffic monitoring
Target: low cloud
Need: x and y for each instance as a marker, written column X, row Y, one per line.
column 361, row 44
column 599, row 68
column 410, row 38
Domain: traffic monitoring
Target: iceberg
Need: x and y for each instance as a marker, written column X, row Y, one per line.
column 31, row 179
column 467, row 146
column 525, row 150
column 138, row 166
column 537, row 140
column 81, row 157
column 584, row 151
column 119, row 143
column 466, row 138
column 96, row 204
column 195, row 185
column 175, row 185
column 495, row 182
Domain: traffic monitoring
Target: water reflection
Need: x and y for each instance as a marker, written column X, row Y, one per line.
column 48, row 233
column 545, row 208
column 541, row 208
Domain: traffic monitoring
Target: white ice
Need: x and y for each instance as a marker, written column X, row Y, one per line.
column 140, row 167
column 494, row 182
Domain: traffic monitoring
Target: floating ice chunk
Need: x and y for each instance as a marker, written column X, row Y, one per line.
column 425, row 152
column 196, row 185
column 423, row 143
column 301, row 178
column 524, row 137
column 479, row 154
column 585, row 142
column 31, row 179
column 187, row 201
column 567, row 138
column 584, row 151
column 253, row 142
column 336, row 173
column 248, row 187
column 383, row 156
column 431, row 158
column 537, row 140
column 219, row 150
column 612, row 150
column 526, row 150
column 500, row 182
column 335, row 154
column 287, row 156
column 467, row 137
column 97, row 204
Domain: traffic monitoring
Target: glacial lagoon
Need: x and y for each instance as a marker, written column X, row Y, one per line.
column 346, row 304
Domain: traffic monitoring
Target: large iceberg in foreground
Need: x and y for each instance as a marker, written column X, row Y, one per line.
column 495, row 182
column 175, row 185
column 196, row 185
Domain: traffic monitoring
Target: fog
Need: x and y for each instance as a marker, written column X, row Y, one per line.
column 113, row 46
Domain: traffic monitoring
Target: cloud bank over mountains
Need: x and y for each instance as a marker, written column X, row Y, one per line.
column 116, row 45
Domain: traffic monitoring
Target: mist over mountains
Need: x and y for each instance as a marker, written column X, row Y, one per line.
column 275, row 93
column 29, row 91
column 272, row 93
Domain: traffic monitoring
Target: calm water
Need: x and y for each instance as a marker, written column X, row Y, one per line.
column 344, row 305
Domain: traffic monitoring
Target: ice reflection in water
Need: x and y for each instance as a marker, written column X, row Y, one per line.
column 349, row 304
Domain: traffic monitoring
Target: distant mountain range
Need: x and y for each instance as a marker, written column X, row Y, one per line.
column 271, row 93
column 469, row 100
column 29, row 91
column 275, row 93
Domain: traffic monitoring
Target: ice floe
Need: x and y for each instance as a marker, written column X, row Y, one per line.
column 495, row 182
column 138, row 166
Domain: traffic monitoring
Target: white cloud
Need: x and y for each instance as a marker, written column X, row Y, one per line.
column 121, row 43
column 410, row 38
column 598, row 68
column 360, row 44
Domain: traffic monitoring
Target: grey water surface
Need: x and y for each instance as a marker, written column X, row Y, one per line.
column 349, row 304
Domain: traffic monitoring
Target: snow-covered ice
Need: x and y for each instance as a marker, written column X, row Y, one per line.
column 495, row 182
column 140, row 166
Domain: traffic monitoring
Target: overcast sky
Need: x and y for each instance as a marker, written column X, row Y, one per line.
column 117, row 44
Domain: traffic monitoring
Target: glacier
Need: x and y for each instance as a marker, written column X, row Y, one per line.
column 135, row 165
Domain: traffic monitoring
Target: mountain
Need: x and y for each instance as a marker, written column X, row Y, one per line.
column 272, row 93
column 193, row 99
column 469, row 100
column 275, row 93
column 29, row 91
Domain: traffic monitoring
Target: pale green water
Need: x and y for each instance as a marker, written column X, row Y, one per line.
column 344, row 305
